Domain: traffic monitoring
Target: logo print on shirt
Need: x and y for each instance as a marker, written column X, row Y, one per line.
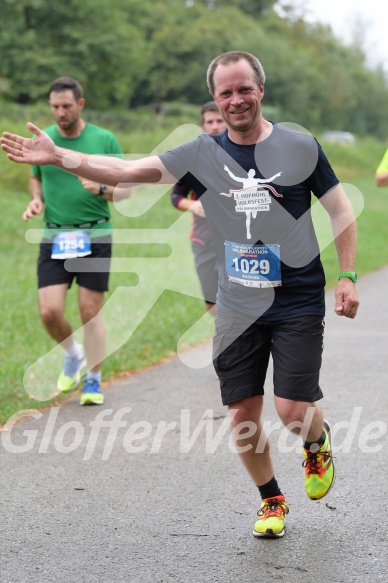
column 252, row 198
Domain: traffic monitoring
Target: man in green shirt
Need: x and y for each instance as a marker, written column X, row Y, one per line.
column 76, row 240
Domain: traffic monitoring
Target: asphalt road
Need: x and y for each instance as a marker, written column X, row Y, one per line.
column 158, row 495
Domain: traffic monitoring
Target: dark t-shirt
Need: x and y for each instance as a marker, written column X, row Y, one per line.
column 257, row 200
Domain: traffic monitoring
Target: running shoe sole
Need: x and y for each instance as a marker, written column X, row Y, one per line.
column 268, row 534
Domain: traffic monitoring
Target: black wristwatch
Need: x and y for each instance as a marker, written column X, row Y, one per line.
column 103, row 189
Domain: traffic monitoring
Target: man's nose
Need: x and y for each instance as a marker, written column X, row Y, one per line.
column 237, row 98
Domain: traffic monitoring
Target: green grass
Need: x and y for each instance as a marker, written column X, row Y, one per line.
column 144, row 317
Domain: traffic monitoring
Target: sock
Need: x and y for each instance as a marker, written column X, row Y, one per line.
column 320, row 441
column 95, row 375
column 75, row 350
column 270, row 489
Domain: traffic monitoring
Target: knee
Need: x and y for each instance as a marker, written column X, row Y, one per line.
column 289, row 415
column 90, row 316
column 90, row 310
column 294, row 412
column 50, row 315
column 247, row 410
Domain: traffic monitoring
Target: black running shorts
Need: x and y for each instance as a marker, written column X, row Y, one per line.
column 88, row 274
column 241, row 352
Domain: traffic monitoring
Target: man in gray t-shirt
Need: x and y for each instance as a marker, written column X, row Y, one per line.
column 255, row 182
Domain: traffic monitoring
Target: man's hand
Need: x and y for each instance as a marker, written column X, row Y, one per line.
column 346, row 298
column 34, row 207
column 93, row 187
column 39, row 150
column 197, row 209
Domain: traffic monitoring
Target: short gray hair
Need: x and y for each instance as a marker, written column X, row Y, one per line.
column 233, row 57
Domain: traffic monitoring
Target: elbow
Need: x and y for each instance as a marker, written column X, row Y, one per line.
column 379, row 180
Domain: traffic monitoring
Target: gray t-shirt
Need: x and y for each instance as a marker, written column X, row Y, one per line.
column 257, row 200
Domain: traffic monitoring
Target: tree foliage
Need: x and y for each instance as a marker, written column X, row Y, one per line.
column 250, row 7
column 130, row 53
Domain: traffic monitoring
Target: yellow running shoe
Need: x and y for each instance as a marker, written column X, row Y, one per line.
column 91, row 394
column 319, row 468
column 71, row 375
column 272, row 516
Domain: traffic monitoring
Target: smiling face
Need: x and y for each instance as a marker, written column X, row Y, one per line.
column 238, row 97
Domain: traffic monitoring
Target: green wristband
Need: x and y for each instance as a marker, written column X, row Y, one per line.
column 350, row 274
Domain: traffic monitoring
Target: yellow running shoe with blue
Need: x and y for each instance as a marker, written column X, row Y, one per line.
column 71, row 375
column 319, row 468
column 272, row 516
column 91, row 394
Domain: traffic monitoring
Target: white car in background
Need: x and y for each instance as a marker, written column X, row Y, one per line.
column 345, row 138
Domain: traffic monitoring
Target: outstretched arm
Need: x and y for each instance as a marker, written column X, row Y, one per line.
column 112, row 193
column 344, row 229
column 41, row 150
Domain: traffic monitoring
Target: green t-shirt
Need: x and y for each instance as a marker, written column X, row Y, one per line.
column 383, row 166
column 66, row 201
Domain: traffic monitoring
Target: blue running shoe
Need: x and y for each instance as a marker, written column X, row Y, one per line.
column 71, row 375
column 91, row 394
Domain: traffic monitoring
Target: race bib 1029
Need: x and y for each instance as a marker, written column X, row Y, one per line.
column 253, row 265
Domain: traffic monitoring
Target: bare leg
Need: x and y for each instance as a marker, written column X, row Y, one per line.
column 256, row 455
column 90, row 304
column 52, row 301
column 303, row 413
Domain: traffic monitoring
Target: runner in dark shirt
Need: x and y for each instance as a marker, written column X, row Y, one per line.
column 184, row 198
column 255, row 182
